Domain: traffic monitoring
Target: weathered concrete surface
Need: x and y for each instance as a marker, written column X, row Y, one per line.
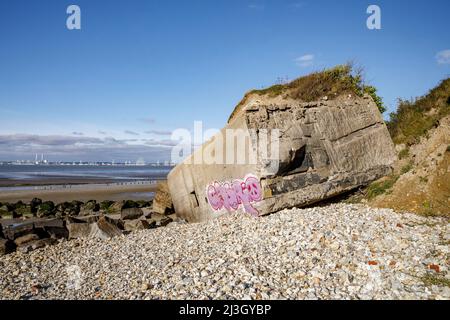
column 325, row 148
column 162, row 203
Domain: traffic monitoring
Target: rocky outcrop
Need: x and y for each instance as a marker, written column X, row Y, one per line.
column 6, row 246
column 326, row 147
column 131, row 213
column 421, row 178
column 73, row 220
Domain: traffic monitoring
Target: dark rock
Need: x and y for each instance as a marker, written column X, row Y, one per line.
column 53, row 228
column 23, row 211
column 19, row 204
column 6, row 246
column 15, row 230
column 102, row 229
column 91, row 205
column 130, row 204
column 6, row 211
column 79, row 230
column 15, row 215
column 34, row 205
column 57, row 233
column 10, row 207
column 115, row 219
column 138, row 224
column 65, row 208
column 164, row 222
column 89, row 208
column 108, row 228
column 160, row 220
column 147, row 212
column 17, row 209
column 131, row 213
column 46, row 209
column 104, row 205
column 116, row 207
column 26, row 238
column 84, row 219
column 74, row 208
column 44, row 223
column 144, row 203
column 37, row 244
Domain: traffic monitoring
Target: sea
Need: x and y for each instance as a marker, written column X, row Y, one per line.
column 22, row 175
column 24, row 182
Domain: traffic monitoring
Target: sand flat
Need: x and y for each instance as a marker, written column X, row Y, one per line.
column 99, row 192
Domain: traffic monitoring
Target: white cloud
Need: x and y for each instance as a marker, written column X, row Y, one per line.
column 70, row 148
column 305, row 61
column 129, row 132
column 443, row 57
column 159, row 132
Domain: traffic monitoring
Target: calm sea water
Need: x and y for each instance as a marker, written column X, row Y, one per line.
column 29, row 173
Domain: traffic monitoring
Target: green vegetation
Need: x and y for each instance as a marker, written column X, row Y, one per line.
column 342, row 79
column 437, row 280
column 403, row 154
column 47, row 206
column 104, row 205
column 415, row 117
column 448, row 148
column 372, row 91
column 406, row 168
column 379, row 187
column 423, row 179
column 130, row 204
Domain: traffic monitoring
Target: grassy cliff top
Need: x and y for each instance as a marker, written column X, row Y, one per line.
column 342, row 79
column 415, row 117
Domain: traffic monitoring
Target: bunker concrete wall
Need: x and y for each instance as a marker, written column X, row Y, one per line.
column 326, row 148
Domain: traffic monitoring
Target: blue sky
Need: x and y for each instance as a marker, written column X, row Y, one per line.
column 139, row 69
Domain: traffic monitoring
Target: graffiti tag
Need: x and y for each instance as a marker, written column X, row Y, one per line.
column 230, row 195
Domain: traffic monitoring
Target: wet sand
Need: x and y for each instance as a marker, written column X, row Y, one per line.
column 85, row 192
column 57, row 181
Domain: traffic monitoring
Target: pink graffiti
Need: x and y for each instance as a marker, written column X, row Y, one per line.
column 231, row 195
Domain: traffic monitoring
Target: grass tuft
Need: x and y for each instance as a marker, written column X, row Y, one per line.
column 406, row 168
column 436, row 280
column 342, row 79
column 403, row 154
column 415, row 117
column 380, row 187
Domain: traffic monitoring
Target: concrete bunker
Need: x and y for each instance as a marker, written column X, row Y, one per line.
column 325, row 147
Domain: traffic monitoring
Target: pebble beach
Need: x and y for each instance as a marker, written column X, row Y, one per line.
column 339, row 251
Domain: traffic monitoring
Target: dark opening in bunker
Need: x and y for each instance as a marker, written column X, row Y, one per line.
column 194, row 199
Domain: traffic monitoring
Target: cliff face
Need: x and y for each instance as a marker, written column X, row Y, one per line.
column 420, row 183
column 422, row 178
column 324, row 147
